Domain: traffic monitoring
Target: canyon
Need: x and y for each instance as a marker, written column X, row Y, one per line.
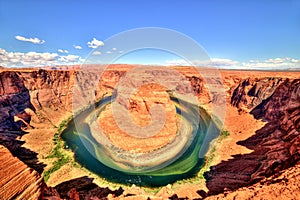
column 260, row 155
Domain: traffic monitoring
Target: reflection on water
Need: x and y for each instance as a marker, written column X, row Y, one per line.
column 186, row 163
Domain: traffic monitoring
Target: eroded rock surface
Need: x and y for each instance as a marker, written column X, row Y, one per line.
column 275, row 146
column 18, row 181
column 14, row 98
column 80, row 188
column 286, row 185
column 251, row 92
column 139, row 114
column 14, row 116
column 36, row 99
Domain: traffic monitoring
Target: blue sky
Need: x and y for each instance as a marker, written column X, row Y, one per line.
column 236, row 33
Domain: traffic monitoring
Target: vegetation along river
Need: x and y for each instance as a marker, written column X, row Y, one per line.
column 180, row 159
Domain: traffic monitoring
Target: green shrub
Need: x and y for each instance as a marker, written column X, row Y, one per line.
column 225, row 133
column 57, row 152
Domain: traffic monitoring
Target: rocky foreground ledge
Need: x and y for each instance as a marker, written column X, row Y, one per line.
column 18, row 181
column 34, row 100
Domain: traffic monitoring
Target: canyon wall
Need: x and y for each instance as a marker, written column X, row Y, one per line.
column 40, row 99
column 284, row 185
column 29, row 100
column 32, row 100
column 15, row 98
column 15, row 109
column 275, row 146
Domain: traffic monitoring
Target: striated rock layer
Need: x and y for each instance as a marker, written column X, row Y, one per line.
column 15, row 115
column 275, row 146
column 15, row 98
column 286, row 185
column 139, row 111
column 41, row 99
column 18, row 181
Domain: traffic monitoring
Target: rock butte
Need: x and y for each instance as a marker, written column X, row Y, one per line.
column 139, row 112
column 35, row 100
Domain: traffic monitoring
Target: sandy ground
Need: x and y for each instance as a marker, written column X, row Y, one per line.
column 240, row 125
column 40, row 140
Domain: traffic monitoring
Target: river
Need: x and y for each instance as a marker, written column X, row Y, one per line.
column 108, row 162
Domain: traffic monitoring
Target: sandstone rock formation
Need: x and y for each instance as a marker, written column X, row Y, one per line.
column 139, row 114
column 50, row 93
column 283, row 186
column 40, row 99
column 15, row 100
column 18, row 181
column 251, row 92
column 275, row 146
column 80, row 188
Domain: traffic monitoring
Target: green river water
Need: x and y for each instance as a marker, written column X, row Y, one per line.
column 100, row 159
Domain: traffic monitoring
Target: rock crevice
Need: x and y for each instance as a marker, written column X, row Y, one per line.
column 275, row 146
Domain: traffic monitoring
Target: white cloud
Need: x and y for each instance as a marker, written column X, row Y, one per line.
column 213, row 62
column 77, row 47
column 10, row 59
column 114, row 49
column 62, row 51
column 33, row 40
column 95, row 43
column 69, row 58
column 275, row 60
column 34, row 59
column 177, row 62
column 295, row 61
column 273, row 63
column 222, row 62
column 97, row 53
column 81, row 60
column 108, row 52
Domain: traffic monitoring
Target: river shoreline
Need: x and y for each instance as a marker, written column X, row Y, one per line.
column 117, row 184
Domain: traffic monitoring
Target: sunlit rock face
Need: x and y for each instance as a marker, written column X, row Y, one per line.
column 181, row 157
column 18, row 181
column 138, row 108
column 283, row 186
column 148, row 127
column 33, row 98
column 275, row 146
column 14, row 98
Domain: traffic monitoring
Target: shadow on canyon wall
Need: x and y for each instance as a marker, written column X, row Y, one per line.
column 276, row 146
column 80, row 188
column 15, row 98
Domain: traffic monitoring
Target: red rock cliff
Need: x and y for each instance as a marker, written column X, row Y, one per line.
column 275, row 146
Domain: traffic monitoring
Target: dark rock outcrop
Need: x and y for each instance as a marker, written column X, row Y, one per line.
column 251, row 92
column 275, row 146
column 284, row 185
column 40, row 96
column 80, row 188
column 14, row 100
